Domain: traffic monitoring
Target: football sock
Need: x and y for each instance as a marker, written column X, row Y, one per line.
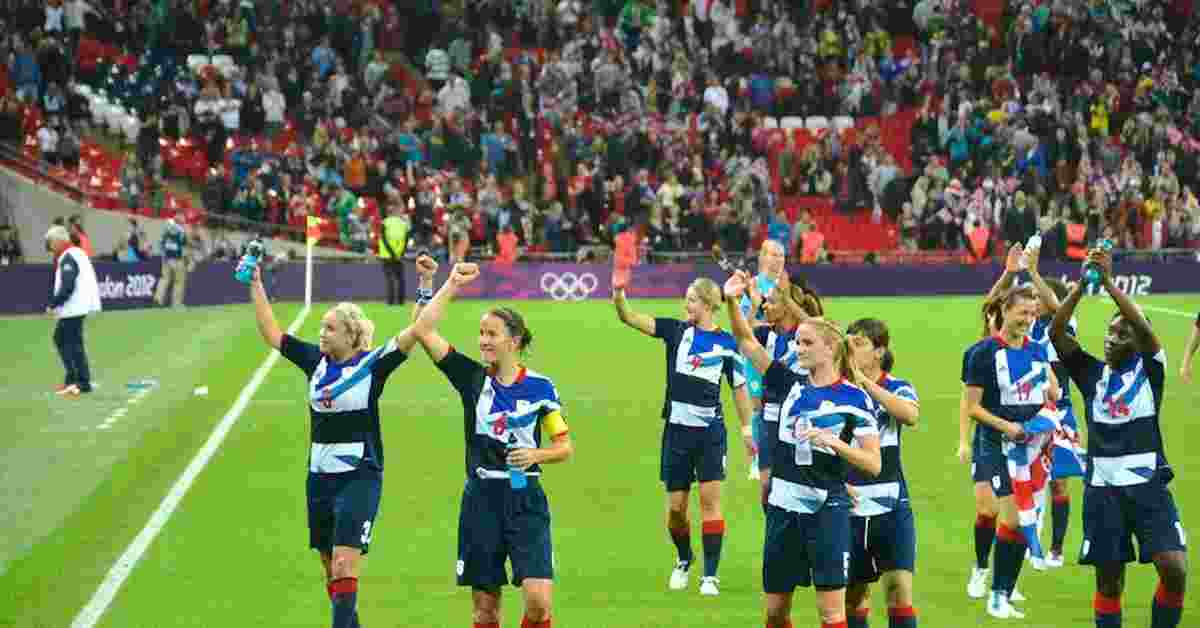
column 1010, row 553
column 683, row 542
column 1060, row 517
column 714, row 534
column 345, row 601
column 1167, row 609
column 902, row 617
column 1108, row 611
column 985, row 533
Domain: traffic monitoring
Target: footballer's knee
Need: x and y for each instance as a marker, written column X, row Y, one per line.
column 344, row 563
column 485, row 606
column 1172, row 570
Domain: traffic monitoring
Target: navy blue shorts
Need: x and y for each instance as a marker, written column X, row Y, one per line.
column 992, row 467
column 497, row 524
column 759, row 427
column 1114, row 515
column 691, row 454
column 803, row 550
column 342, row 509
column 882, row 543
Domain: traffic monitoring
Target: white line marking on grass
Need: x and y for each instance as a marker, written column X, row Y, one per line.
column 90, row 614
column 1165, row 310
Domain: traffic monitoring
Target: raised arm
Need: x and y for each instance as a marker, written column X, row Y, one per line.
column 1185, row 369
column 641, row 322
column 1064, row 343
column 426, row 267
column 1047, row 296
column 268, row 327
column 1012, row 266
column 1129, row 310
column 751, row 349
column 425, row 327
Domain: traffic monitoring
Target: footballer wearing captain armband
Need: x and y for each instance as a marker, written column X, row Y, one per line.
column 1126, row 492
column 1009, row 380
column 698, row 356
column 345, row 469
column 508, row 410
column 807, row 540
column 883, row 532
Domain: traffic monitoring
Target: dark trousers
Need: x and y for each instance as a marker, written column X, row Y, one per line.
column 393, row 273
column 68, row 338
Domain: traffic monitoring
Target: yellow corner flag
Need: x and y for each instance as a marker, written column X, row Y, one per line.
column 313, row 230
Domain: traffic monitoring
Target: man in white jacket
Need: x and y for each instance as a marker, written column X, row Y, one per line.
column 76, row 294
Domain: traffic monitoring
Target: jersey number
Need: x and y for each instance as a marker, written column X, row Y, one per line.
column 1024, row 390
column 366, row 533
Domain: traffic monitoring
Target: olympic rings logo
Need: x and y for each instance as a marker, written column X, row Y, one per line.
column 569, row 286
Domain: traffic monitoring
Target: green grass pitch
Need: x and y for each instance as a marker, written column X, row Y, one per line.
column 78, row 479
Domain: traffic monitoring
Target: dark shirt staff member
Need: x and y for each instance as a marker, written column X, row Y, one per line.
column 76, row 294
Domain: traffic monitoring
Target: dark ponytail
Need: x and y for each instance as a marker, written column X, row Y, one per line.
column 514, row 323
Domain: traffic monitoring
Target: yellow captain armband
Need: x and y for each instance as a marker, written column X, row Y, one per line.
column 554, row 424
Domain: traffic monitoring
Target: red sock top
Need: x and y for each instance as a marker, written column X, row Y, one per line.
column 1163, row 597
column 716, row 526
column 343, row 585
column 490, row 624
column 1062, row 499
column 985, row 521
column 840, row 624
column 861, row 613
column 529, row 623
column 1009, row 535
column 1106, row 605
column 902, row 611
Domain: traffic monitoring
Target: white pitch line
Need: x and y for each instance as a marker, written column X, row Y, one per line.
column 91, row 613
column 1166, row 310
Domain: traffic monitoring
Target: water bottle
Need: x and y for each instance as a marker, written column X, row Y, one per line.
column 1091, row 275
column 516, row 475
column 249, row 261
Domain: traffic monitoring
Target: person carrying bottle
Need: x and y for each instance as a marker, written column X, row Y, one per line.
column 345, row 470
column 507, row 407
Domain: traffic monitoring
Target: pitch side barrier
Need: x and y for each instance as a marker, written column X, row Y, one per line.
column 131, row 286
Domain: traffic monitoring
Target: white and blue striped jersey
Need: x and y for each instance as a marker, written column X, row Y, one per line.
column 781, row 347
column 498, row 417
column 1015, row 380
column 1040, row 333
column 805, row 478
column 343, row 401
column 696, row 361
column 1122, row 406
column 887, row 491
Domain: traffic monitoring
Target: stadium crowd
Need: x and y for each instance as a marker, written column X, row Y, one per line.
column 937, row 125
